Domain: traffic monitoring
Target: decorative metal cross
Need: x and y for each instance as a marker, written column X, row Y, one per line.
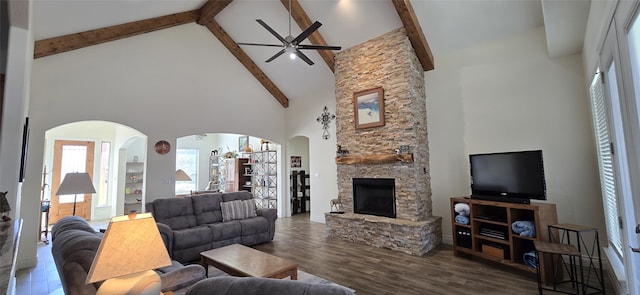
column 325, row 118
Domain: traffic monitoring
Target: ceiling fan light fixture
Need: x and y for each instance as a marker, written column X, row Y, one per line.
column 292, row 45
column 291, row 51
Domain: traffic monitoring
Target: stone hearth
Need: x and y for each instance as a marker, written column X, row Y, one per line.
column 388, row 61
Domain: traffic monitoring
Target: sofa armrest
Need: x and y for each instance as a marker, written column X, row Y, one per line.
column 167, row 236
column 271, row 215
column 182, row 277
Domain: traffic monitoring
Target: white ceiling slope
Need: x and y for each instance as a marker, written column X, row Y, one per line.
column 448, row 25
column 565, row 25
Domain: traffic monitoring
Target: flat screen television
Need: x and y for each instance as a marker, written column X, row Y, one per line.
column 515, row 177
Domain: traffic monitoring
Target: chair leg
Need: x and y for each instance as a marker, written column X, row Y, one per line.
column 538, row 275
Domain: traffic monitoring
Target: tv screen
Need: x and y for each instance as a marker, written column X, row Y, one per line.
column 510, row 176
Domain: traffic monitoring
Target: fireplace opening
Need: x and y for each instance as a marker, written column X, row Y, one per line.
column 374, row 196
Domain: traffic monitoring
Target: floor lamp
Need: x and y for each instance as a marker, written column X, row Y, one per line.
column 76, row 183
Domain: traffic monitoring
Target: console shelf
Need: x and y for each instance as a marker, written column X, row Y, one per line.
column 489, row 234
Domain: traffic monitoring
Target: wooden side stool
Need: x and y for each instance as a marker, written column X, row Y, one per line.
column 572, row 268
column 583, row 234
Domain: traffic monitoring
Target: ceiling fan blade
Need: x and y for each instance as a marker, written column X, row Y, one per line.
column 319, row 47
column 276, row 55
column 303, row 57
column 259, row 44
column 312, row 28
column 271, row 31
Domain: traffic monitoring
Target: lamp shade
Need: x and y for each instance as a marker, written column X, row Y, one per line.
column 76, row 183
column 182, row 176
column 131, row 244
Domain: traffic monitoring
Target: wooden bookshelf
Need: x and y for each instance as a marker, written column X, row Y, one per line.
column 499, row 216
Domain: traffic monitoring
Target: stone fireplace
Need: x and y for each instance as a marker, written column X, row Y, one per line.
column 390, row 62
column 374, row 196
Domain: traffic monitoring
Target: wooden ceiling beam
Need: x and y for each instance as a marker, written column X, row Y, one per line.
column 303, row 21
column 244, row 59
column 210, row 9
column 70, row 42
column 414, row 32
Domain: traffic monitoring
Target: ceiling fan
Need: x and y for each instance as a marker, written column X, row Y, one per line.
column 292, row 45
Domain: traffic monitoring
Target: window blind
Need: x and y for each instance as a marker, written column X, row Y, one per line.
column 605, row 162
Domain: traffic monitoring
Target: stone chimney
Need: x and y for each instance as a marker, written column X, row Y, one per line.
column 390, row 62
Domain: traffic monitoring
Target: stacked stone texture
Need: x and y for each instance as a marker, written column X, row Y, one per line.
column 388, row 61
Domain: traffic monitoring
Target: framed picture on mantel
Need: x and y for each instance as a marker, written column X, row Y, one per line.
column 368, row 108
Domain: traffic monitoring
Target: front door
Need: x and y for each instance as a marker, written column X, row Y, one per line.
column 70, row 156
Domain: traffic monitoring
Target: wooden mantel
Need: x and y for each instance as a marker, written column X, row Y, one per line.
column 375, row 159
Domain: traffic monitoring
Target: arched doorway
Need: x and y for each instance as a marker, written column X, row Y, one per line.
column 99, row 144
column 299, row 175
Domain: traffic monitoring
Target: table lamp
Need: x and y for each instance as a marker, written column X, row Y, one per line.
column 76, row 183
column 182, row 176
column 129, row 251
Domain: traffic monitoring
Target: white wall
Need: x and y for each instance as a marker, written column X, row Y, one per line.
column 509, row 95
column 15, row 107
column 301, row 121
column 165, row 84
column 600, row 16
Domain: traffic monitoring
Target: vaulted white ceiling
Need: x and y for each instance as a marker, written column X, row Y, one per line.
column 448, row 25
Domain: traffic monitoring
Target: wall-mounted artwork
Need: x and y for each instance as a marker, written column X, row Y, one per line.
column 296, row 161
column 368, row 108
column 243, row 142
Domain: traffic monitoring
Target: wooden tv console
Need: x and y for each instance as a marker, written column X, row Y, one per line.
column 498, row 216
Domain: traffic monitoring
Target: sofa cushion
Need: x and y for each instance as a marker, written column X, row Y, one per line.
column 237, row 210
column 191, row 237
column 206, row 207
column 225, row 230
column 177, row 213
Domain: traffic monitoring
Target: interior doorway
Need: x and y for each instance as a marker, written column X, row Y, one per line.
column 299, row 172
column 70, row 156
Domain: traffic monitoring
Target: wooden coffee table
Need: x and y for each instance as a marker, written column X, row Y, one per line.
column 241, row 261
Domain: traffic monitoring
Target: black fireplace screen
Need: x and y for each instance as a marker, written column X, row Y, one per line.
column 374, row 196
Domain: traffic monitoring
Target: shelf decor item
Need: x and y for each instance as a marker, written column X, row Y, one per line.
column 324, row 119
column 296, row 161
column 76, row 183
column 368, row 108
column 243, row 143
column 162, row 147
column 4, row 207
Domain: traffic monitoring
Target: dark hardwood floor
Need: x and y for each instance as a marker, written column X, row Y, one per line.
column 365, row 269
column 370, row 270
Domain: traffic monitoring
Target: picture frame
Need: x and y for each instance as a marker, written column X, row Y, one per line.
column 368, row 108
column 243, row 142
column 296, row 161
column 25, row 148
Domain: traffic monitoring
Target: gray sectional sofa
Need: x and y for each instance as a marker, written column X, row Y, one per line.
column 193, row 224
column 74, row 244
column 262, row 286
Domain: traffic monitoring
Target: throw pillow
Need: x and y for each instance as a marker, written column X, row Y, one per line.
column 239, row 209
